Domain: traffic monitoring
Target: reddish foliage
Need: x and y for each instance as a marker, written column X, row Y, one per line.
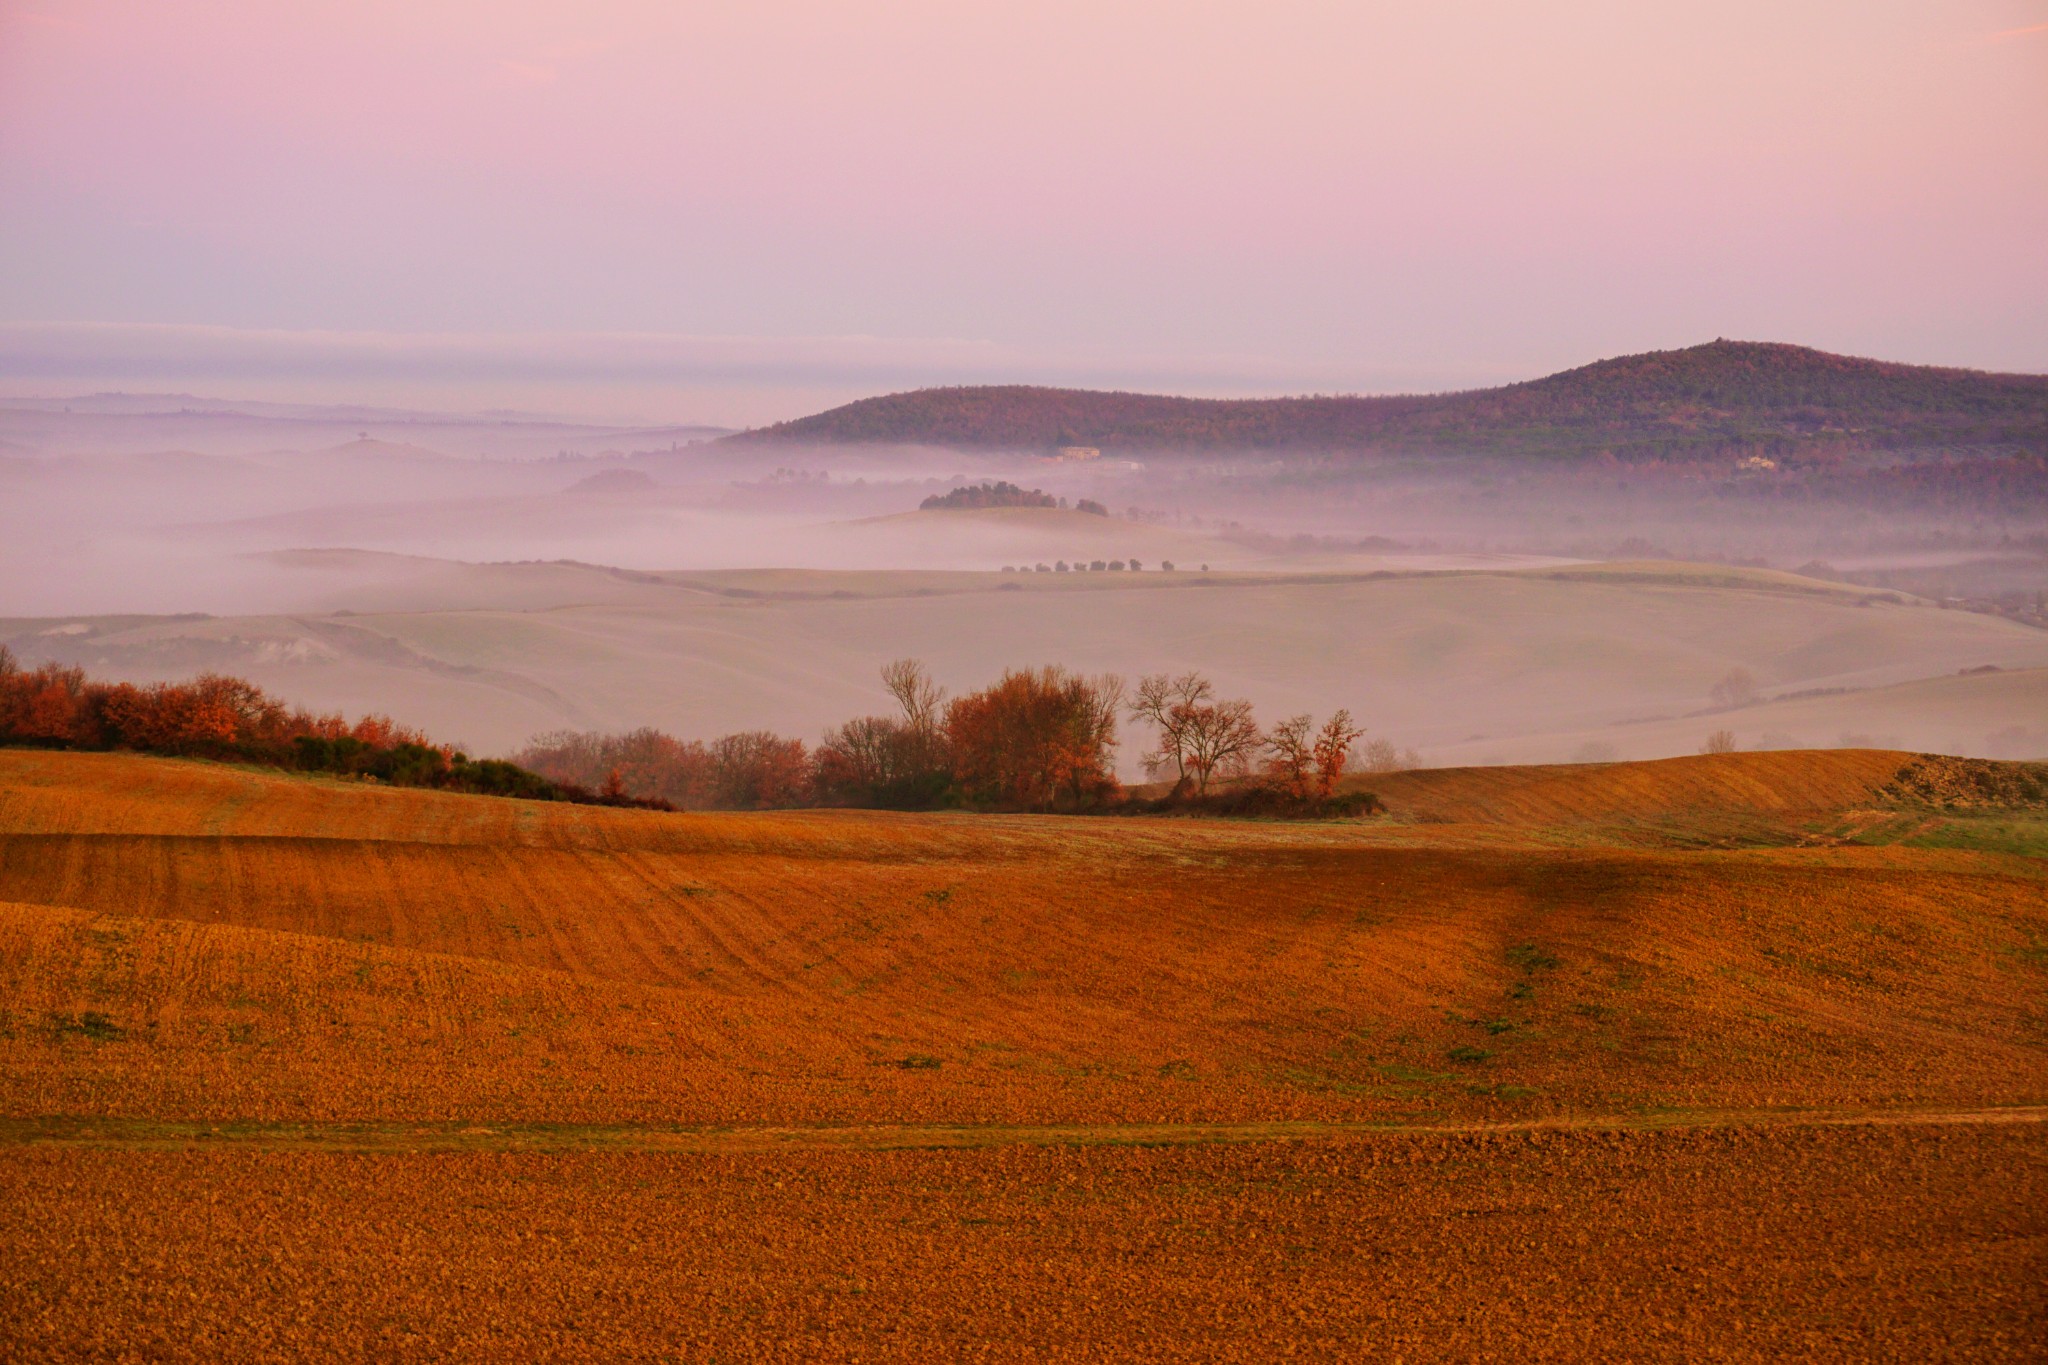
column 213, row 715
column 1037, row 738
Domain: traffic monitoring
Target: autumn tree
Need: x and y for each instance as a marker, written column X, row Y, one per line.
column 888, row 760
column 757, row 770
column 650, row 765
column 1306, row 762
column 1291, row 756
column 1332, row 750
column 44, row 705
column 1037, row 738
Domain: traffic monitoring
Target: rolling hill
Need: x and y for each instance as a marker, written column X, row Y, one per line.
column 1473, row 666
column 293, row 1068
column 198, row 942
column 1719, row 399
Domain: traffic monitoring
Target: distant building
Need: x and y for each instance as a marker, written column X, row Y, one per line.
column 1078, row 453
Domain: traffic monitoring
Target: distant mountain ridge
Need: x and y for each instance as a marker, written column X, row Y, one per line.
column 1724, row 397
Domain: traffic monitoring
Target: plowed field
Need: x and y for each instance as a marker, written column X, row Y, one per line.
column 543, row 1013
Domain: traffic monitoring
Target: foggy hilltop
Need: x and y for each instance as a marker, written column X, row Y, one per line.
column 1725, row 398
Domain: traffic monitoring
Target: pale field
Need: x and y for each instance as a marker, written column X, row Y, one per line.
column 1468, row 666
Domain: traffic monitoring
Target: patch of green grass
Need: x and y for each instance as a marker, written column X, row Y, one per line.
column 1465, row 1052
column 2000, row 832
column 91, row 1024
column 1531, row 958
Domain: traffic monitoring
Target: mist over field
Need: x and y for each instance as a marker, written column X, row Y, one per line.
column 1040, row 681
column 494, row 578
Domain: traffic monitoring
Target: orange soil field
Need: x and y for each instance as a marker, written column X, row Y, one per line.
column 1849, row 1244
column 525, row 1002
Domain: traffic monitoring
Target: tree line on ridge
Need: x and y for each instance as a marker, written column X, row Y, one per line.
column 1037, row 739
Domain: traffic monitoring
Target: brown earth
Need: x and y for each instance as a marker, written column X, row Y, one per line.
column 568, row 1000
column 1807, row 1244
column 1762, row 784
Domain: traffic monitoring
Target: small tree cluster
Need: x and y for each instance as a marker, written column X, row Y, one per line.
column 1203, row 739
column 1305, row 763
column 999, row 494
column 1199, row 737
column 754, row 770
column 1037, row 739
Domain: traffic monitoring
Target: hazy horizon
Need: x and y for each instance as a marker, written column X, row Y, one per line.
column 735, row 217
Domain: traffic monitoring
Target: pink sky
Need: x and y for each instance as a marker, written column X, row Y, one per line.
column 1254, row 196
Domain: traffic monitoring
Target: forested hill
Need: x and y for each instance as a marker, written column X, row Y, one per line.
column 1726, row 397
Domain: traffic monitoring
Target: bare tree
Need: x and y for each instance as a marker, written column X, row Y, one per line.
column 1168, row 703
column 1737, row 687
column 1381, row 756
column 1220, row 739
column 1720, row 742
column 915, row 692
column 923, row 749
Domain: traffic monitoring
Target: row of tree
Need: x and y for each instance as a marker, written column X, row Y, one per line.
column 1089, row 566
column 1036, row 739
column 55, row 706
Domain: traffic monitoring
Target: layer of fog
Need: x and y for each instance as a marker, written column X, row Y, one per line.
column 284, row 520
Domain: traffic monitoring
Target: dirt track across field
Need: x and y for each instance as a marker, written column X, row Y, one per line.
column 136, row 1135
